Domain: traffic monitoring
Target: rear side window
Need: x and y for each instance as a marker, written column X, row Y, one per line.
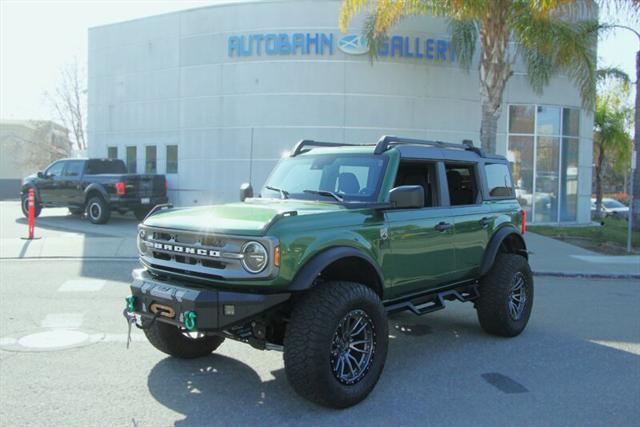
column 463, row 188
column 105, row 166
column 498, row 180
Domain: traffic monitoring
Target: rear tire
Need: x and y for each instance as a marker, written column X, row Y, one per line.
column 141, row 213
column 321, row 346
column 24, row 204
column 171, row 340
column 506, row 296
column 98, row 211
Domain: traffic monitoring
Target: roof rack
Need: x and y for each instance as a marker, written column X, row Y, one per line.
column 302, row 144
column 387, row 141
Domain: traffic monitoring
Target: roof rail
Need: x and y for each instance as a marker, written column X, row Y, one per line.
column 297, row 149
column 387, row 141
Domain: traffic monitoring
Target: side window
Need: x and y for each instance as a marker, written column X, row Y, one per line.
column 461, row 181
column 73, row 168
column 498, row 180
column 419, row 173
column 132, row 165
column 55, row 169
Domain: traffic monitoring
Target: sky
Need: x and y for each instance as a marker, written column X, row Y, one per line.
column 37, row 38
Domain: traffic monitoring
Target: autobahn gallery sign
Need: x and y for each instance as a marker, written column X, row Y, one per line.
column 326, row 44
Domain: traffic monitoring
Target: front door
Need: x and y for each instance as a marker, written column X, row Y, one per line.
column 421, row 251
column 50, row 187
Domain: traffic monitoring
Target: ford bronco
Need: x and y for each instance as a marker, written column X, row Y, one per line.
column 339, row 237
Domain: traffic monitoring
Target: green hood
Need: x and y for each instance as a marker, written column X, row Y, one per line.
column 252, row 217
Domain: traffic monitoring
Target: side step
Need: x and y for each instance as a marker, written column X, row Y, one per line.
column 429, row 302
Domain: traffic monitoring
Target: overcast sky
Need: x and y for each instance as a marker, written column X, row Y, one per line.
column 38, row 37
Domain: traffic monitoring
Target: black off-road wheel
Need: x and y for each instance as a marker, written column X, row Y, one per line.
column 98, row 211
column 141, row 213
column 24, row 204
column 506, row 296
column 336, row 343
column 178, row 342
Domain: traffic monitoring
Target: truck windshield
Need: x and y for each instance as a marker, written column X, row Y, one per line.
column 330, row 177
column 105, row 166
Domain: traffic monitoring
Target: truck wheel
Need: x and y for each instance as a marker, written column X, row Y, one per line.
column 506, row 296
column 141, row 213
column 176, row 342
column 25, row 207
column 98, row 211
column 335, row 345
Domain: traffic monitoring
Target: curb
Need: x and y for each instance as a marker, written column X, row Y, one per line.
column 586, row 275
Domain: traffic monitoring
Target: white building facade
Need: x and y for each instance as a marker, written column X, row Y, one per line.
column 213, row 96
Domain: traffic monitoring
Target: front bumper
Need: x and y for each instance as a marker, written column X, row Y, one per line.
column 215, row 309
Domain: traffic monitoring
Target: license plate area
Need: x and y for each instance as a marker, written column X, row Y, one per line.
column 145, row 200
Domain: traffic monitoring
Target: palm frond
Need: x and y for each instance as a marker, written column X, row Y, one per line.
column 348, row 10
column 464, row 35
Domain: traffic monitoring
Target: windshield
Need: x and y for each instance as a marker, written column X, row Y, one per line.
column 355, row 178
column 612, row 204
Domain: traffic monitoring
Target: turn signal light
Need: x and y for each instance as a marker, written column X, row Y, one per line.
column 523, row 223
column 276, row 256
column 120, row 188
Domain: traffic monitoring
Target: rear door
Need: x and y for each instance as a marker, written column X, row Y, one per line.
column 71, row 182
column 50, row 187
column 472, row 218
column 421, row 254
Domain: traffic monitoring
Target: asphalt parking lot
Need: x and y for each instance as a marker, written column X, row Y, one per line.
column 63, row 361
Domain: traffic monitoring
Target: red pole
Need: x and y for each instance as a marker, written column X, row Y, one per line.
column 32, row 212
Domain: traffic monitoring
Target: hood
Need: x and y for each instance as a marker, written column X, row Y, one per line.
column 253, row 217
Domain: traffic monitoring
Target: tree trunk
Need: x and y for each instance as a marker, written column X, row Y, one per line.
column 635, row 208
column 489, row 128
column 599, row 163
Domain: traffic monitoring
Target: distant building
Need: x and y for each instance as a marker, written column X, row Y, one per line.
column 27, row 146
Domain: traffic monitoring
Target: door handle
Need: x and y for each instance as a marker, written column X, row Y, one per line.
column 443, row 226
column 484, row 222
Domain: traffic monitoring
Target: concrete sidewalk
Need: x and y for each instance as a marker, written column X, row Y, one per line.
column 551, row 257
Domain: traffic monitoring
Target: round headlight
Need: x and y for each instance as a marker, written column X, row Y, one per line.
column 255, row 257
column 142, row 245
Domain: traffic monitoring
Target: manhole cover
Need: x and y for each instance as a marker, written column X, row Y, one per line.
column 50, row 340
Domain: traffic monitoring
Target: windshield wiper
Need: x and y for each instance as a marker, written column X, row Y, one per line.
column 284, row 194
column 325, row 193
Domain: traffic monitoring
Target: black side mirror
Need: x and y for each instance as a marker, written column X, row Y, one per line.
column 40, row 175
column 246, row 190
column 407, row 197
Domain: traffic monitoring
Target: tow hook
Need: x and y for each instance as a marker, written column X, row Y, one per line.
column 190, row 320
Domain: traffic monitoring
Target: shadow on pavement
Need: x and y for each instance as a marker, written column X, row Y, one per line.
column 118, row 225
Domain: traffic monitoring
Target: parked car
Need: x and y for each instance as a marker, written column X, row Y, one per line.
column 341, row 236
column 95, row 187
column 611, row 208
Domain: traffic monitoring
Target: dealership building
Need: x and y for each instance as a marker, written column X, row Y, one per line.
column 212, row 97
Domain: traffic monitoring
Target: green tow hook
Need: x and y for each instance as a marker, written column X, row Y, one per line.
column 190, row 320
column 131, row 304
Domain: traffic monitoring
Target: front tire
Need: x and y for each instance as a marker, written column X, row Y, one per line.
column 506, row 296
column 335, row 346
column 175, row 342
column 24, row 204
column 98, row 211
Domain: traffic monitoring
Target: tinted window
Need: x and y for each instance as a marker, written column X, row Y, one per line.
column 355, row 177
column 521, row 118
column 105, row 166
column 150, row 159
column 55, row 169
column 461, row 181
column 132, row 164
column 498, row 180
column 73, row 168
column 612, row 204
column 112, row 152
column 172, row 159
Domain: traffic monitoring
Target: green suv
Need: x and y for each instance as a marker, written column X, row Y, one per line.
column 339, row 237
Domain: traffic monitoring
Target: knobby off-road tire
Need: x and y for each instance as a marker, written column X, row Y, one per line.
column 315, row 340
column 506, row 296
column 98, row 211
column 171, row 340
column 24, row 204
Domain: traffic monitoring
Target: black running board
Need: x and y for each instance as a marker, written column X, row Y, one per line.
column 433, row 301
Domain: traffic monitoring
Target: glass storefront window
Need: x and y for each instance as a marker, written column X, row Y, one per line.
column 150, row 159
column 544, row 160
column 112, row 152
column 132, row 163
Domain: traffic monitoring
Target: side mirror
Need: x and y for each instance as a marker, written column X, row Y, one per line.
column 407, row 197
column 246, row 190
column 40, row 175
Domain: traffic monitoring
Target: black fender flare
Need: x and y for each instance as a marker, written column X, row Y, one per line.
column 494, row 245
column 95, row 188
column 306, row 276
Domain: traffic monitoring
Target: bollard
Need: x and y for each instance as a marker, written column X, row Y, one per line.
column 32, row 212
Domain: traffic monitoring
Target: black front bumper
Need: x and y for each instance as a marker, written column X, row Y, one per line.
column 213, row 307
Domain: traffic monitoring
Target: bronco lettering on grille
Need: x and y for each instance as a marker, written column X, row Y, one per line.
column 186, row 250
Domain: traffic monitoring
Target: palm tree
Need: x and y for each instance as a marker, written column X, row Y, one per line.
column 610, row 136
column 550, row 38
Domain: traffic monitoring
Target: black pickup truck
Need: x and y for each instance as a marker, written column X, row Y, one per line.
column 94, row 186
